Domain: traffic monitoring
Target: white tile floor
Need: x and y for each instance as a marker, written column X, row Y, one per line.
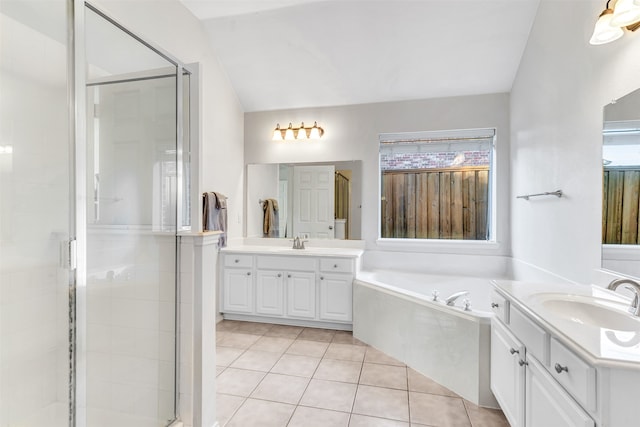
column 273, row 375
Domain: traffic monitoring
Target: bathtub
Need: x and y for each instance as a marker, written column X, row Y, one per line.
column 394, row 312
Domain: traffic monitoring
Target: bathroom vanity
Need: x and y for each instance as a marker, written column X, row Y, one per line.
column 564, row 355
column 304, row 287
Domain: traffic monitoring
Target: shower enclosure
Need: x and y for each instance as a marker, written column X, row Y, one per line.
column 94, row 186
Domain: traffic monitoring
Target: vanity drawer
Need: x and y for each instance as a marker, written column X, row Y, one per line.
column 237, row 260
column 500, row 306
column 337, row 265
column 297, row 263
column 575, row 375
column 532, row 336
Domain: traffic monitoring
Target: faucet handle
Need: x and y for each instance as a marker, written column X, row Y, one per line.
column 435, row 294
column 467, row 304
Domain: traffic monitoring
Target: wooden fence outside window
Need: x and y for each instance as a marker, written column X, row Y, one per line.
column 620, row 206
column 436, row 203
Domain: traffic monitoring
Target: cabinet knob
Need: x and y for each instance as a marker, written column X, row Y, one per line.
column 495, row 305
column 279, row 275
column 248, row 273
column 289, row 276
column 321, row 277
column 236, row 261
column 522, row 362
column 331, row 227
column 514, row 351
column 559, row 368
column 335, row 265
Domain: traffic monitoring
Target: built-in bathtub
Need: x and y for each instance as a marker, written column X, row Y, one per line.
column 394, row 312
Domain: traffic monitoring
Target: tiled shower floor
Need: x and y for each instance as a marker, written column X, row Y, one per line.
column 272, row 375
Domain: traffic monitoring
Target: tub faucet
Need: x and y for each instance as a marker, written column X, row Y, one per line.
column 631, row 285
column 451, row 300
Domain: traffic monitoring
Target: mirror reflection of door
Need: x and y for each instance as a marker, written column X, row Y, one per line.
column 313, row 207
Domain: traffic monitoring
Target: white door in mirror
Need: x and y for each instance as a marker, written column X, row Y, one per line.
column 313, row 208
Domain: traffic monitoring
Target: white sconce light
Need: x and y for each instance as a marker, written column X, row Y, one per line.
column 610, row 24
column 299, row 133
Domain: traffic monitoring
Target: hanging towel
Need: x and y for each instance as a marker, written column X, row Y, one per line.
column 214, row 216
column 270, row 223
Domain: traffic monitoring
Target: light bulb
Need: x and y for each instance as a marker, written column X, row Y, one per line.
column 315, row 131
column 277, row 133
column 288, row 135
column 604, row 32
column 302, row 132
column 626, row 12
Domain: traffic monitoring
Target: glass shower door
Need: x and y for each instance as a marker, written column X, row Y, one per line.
column 35, row 152
column 131, row 215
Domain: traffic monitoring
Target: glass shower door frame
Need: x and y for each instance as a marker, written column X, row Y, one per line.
column 78, row 224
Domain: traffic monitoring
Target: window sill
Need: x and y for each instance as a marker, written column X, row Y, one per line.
column 470, row 247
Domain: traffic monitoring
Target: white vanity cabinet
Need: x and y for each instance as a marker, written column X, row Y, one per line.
column 237, row 284
column 336, row 285
column 507, row 374
column 297, row 289
column 301, row 295
column 520, row 377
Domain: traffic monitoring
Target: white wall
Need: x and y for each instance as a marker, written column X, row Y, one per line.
column 556, row 122
column 351, row 133
column 171, row 26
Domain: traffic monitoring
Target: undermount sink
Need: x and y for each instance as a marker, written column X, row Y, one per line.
column 594, row 311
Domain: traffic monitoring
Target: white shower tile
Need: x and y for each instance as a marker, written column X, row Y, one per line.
column 186, row 287
column 167, row 315
column 147, row 344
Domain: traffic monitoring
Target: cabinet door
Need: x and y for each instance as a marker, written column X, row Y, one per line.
column 548, row 404
column 270, row 292
column 301, row 295
column 335, row 297
column 237, row 290
column 507, row 375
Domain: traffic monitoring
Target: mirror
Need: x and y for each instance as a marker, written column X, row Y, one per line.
column 621, row 186
column 311, row 200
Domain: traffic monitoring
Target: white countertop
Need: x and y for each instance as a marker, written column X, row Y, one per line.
column 287, row 250
column 598, row 345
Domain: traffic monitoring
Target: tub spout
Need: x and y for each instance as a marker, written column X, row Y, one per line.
column 451, row 300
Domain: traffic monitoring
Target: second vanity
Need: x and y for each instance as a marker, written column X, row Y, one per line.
column 276, row 284
column 564, row 355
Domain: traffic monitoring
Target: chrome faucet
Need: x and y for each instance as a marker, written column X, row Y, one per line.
column 631, row 285
column 450, row 300
column 298, row 244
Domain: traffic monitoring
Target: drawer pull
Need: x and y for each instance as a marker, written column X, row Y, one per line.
column 559, row 368
column 514, row 351
column 522, row 363
column 495, row 305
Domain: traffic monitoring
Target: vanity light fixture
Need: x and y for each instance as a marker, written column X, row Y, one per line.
column 610, row 24
column 299, row 133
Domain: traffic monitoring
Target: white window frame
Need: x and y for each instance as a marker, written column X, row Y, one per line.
column 444, row 245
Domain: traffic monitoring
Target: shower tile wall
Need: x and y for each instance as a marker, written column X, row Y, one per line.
column 131, row 326
column 34, row 216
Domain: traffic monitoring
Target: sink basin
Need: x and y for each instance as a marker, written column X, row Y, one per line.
column 594, row 311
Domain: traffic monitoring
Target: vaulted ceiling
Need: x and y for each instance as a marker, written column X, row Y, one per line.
column 283, row 54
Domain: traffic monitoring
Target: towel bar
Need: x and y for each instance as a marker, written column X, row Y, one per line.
column 557, row 193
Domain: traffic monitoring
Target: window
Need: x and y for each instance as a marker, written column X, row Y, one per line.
column 437, row 185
